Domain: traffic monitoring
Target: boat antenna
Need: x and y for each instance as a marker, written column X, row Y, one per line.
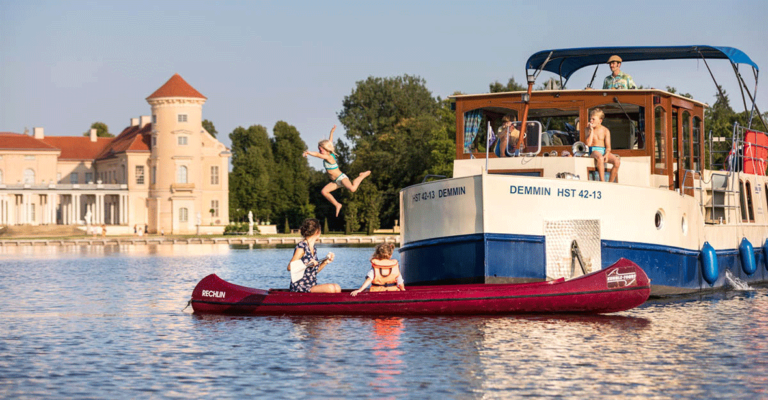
column 593, row 76
column 742, row 85
column 752, row 99
column 719, row 90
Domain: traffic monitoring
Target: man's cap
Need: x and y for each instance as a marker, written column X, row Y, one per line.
column 614, row 58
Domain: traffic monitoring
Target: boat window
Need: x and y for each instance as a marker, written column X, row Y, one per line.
column 750, row 209
column 476, row 126
column 674, row 135
column 626, row 123
column 686, row 140
column 743, row 202
column 697, row 143
column 660, row 150
column 560, row 126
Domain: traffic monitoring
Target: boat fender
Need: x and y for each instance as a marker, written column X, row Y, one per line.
column 765, row 253
column 709, row 268
column 747, row 257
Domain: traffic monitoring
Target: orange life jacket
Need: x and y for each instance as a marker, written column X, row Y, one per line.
column 385, row 274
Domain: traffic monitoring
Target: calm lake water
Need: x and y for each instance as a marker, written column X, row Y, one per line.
column 107, row 322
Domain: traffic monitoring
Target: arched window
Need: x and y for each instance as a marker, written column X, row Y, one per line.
column 29, row 176
column 743, row 202
column 750, row 208
column 183, row 215
column 660, row 142
column 686, row 140
column 626, row 122
column 696, row 131
column 181, row 174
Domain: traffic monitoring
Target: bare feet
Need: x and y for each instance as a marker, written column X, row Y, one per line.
column 338, row 208
column 364, row 174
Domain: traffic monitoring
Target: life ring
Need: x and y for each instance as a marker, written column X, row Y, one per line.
column 747, row 257
column 709, row 268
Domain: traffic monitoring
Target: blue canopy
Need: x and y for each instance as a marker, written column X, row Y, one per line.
column 565, row 62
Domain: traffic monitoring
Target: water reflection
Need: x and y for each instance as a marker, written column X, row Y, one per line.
column 110, row 320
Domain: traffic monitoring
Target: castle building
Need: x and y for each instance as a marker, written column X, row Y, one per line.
column 165, row 171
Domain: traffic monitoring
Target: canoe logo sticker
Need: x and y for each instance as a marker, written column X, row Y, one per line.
column 214, row 293
column 618, row 279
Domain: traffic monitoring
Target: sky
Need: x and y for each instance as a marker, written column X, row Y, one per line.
column 67, row 64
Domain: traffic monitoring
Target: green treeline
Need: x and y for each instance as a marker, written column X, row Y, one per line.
column 394, row 127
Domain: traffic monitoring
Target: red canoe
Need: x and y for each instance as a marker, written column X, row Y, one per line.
column 619, row 287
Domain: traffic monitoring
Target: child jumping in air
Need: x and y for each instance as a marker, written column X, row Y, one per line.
column 384, row 273
column 338, row 178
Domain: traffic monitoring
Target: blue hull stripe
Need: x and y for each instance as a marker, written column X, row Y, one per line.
column 477, row 257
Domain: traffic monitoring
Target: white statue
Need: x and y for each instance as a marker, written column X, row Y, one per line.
column 199, row 221
column 88, row 218
column 250, row 217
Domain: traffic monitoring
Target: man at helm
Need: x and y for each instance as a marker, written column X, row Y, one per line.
column 617, row 79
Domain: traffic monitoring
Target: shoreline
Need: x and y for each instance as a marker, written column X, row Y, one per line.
column 162, row 240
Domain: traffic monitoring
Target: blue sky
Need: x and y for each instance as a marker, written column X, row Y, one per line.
column 64, row 65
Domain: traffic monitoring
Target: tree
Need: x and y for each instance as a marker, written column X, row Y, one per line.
column 673, row 90
column 366, row 207
column 101, row 130
column 290, row 188
column 208, row 126
column 511, row 86
column 250, row 184
column 398, row 131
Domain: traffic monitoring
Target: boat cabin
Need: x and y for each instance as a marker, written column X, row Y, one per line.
column 659, row 136
column 651, row 129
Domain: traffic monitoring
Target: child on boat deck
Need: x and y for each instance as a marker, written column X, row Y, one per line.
column 338, row 178
column 384, row 273
column 599, row 142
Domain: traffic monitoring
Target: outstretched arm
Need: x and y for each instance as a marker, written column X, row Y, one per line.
column 331, row 136
column 326, row 157
column 365, row 285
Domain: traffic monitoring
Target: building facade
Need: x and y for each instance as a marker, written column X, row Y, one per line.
column 164, row 171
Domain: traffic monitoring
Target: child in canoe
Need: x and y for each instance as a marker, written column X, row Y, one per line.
column 385, row 272
column 338, row 178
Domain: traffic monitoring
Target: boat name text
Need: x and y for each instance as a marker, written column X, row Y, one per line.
column 439, row 194
column 214, row 293
column 547, row 191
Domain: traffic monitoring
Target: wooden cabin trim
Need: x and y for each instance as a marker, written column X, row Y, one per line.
column 584, row 100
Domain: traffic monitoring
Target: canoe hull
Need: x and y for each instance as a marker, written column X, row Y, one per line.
column 619, row 287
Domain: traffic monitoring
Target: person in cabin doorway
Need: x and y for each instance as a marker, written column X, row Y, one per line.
column 507, row 134
column 306, row 253
column 618, row 79
column 385, row 272
column 599, row 142
column 338, row 178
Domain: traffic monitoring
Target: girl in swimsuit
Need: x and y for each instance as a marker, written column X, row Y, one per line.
column 338, row 178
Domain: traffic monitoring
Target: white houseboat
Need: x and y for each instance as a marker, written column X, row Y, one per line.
column 537, row 210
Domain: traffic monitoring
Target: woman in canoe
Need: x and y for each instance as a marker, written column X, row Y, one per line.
column 307, row 253
column 385, row 272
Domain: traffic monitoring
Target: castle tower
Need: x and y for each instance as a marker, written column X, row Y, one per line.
column 188, row 167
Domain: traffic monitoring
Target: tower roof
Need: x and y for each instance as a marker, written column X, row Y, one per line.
column 176, row 87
